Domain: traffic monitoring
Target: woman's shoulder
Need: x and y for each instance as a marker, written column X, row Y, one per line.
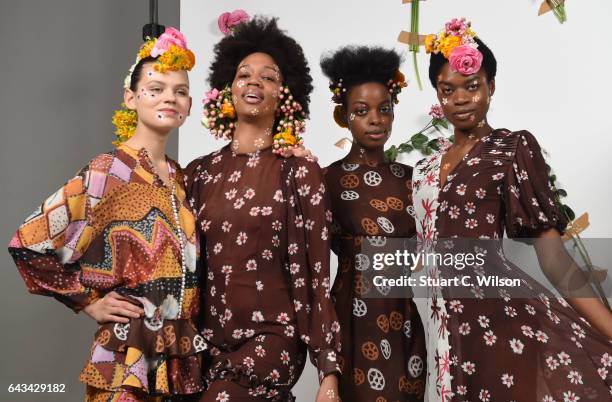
column 205, row 160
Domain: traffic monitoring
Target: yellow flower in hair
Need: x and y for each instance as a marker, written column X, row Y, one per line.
column 228, row 110
column 175, row 59
column 287, row 136
column 448, row 44
column 145, row 49
column 125, row 121
column 430, row 43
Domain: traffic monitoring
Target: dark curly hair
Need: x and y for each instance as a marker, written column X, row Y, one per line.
column 262, row 35
column 489, row 64
column 357, row 65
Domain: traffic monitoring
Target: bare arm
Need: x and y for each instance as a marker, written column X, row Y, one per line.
column 562, row 271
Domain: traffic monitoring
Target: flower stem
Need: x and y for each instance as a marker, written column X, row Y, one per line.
column 414, row 47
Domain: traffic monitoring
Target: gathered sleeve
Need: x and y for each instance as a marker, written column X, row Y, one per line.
column 308, row 238
column 48, row 244
column 528, row 197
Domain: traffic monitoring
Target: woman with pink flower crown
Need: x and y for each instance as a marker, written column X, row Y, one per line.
column 519, row 344
column 118, row 242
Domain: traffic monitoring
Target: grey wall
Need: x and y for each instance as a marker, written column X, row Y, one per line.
column 61, row 76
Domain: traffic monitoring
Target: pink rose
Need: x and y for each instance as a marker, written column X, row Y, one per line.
column 171, row 36
column 227, row 21
column 436, row 112
column 465, row 60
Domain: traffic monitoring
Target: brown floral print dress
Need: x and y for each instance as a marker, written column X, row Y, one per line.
column 530, row 346
column 266, row 299
column 383, row 354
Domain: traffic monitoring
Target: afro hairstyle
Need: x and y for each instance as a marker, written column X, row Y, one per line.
column 262, row 35
column 437, row 61
column 356, row 65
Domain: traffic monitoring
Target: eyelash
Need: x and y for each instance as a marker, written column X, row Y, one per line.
column 363, row 112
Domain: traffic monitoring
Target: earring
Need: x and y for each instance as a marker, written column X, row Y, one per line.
column 361, row 152
column 219, row 114
column 290, row 125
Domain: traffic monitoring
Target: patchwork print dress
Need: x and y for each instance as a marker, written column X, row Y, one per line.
column 265, row 226
column 383, row 354
column 527, row 346
column 117, row 227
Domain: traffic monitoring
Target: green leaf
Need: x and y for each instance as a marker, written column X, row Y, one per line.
column 569, row 212
column 405, row 147
column 553, row 178
column 391, row 153
column 434, row 144
column 561, row 192
column 418, row 140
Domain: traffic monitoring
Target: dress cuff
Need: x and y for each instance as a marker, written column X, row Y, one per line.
column 79, row 301
column 327, row 363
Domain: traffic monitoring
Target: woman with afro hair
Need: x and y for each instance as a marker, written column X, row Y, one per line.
column 383, row 351
column 263, row 221
column 500, row 343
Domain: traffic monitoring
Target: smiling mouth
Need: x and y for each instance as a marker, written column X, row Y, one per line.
column 252, row 98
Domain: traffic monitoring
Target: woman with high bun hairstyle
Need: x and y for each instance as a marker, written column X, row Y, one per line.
column 264, row 224
column 118, row 242
column 383, row 345
column 500, row 343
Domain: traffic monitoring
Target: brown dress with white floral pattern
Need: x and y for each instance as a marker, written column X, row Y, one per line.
column 383, row 352
column 521, row 348
column 264, row 221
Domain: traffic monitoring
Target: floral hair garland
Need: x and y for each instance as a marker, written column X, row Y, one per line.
column 457, row 44
column 172, row 54
column 395, row 86
column 220, row 118
column 219, row 115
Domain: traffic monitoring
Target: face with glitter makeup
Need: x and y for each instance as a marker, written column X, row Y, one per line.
column 256, row 87
column 161, row 100
column 369, row 114
column 464, row 99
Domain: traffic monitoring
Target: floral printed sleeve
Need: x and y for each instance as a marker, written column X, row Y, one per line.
column 48, row 245
column 308, row 249
column 528, row 198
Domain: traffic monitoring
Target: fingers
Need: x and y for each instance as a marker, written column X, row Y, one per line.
column 114, row 318
column 129, row 307
column 124, row 312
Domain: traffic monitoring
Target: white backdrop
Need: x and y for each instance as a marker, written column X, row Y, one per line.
column 551, row 81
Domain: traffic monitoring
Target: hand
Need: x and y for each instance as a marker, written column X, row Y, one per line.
column 113, row 308
column 299, row 152
column 328, row 390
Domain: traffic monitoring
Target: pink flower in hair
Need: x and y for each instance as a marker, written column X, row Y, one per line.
column 465, row 60
column 211, row 95
column 171, row 36
column 227, row 21
column 456, row 27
